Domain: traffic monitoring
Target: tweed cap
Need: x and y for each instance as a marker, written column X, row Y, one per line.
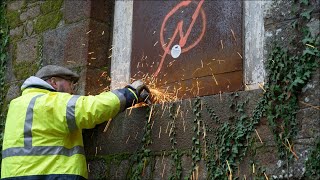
column 57, row 71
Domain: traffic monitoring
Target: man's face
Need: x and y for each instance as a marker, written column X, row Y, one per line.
column 62, row 85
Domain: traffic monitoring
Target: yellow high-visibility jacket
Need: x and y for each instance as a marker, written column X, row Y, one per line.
column 43, row 131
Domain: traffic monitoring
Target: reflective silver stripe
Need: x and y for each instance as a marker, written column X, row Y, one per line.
column 122, row 99
column 42, row 150
column 29, row 150
column 28, row 123
column 70, row 113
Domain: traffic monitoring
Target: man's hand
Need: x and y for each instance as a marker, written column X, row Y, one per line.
column 141, row 90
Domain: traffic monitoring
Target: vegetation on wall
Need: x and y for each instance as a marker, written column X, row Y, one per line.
column 312, row 164
column 289, row 70
column 141, row 158
column 4, row 41
column 176, row 153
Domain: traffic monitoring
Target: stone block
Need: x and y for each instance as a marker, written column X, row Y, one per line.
column 310, row 96
column 31, row 13
column 13, row 18
column 123, row 135
column 80, row 86
column 119, row 171
column 264, row 132
column 294, row 169
column 76, row 10
column 97, row 81
column 47, row 21
column 16, row 32
column 200, row 171
column 15, row 5
column 102, row 10
column 314, row 27
column 97, row 169
column 50, row 6
column 279, row 11
column 266, row 156
column 186, row 163
column 282, row 33
column 13, row 92
column 163, row 167
column 27, row 50
column 99, row 43
column 66, row 46
column 308, row 121
column 9, row 75
column 29, row 28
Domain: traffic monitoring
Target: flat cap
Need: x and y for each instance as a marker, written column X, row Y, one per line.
column 56, row 71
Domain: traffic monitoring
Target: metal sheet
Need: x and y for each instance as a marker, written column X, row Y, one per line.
column 209, row 34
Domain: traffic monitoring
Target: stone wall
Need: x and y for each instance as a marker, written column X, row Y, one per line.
column 77, row 34
column 120, row 148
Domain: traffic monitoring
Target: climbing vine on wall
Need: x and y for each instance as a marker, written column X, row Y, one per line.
column 176, row 154
column 288, row 72
column 312, row 164
column 141, row 159
column 289, row 69
column 4, row 41
column 232, row 139
column 196, row 147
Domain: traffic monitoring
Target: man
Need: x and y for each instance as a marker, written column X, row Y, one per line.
column 43, row 132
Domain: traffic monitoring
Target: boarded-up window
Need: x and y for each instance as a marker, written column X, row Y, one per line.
column 194, row 47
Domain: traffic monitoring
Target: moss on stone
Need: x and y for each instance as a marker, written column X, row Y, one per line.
column 47, row 21
column 4, row 102
column 23, row 70
column 51, row 5
column 13, row 18
column 112, row 158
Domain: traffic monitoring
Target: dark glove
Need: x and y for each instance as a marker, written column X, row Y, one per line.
column 132, row 94
column 141, row 90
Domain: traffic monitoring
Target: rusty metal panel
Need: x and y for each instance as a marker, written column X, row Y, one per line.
column 193, row 46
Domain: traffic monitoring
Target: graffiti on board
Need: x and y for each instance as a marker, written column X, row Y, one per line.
column 183, row 46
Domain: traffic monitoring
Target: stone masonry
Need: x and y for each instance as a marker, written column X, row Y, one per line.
column 78, row 35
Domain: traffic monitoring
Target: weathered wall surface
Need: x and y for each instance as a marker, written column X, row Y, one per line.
column 123, row 148
column 76, row 34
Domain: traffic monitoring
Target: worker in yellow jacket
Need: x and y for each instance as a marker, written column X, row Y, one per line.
column 43, row 131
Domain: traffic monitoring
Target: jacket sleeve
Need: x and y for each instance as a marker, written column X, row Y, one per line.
column 93, row 110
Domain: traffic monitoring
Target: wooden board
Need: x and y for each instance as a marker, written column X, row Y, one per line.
column 209, row 34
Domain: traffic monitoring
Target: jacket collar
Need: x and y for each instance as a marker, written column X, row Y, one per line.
column 35, row 82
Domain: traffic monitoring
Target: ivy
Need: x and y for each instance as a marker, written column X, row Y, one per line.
column 312, row 164
column 141, row 159
column 232, row 139
column 4, row 41
column 288, row 73
column 196, row 147
column 176, row 154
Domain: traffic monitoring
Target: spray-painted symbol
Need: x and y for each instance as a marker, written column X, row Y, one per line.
column 175, row 51
column 179, row 29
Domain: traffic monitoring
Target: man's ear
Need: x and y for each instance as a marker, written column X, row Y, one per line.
column 53, row 82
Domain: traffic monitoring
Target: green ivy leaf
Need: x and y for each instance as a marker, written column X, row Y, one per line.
column 306, row 14
column 297, row 81
column 308, row 51
column 304, row 2
column 307, row 40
